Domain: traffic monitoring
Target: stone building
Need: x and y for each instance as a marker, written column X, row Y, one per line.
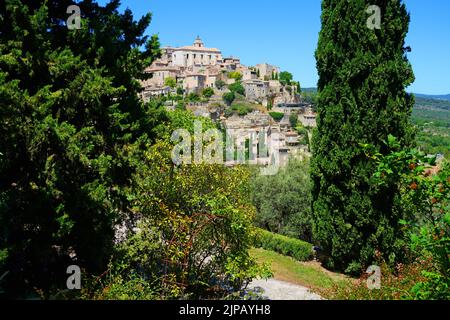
column 266, row 71
column 308, row 119
column 197, row 67
column 256, row 89
column 197, row 54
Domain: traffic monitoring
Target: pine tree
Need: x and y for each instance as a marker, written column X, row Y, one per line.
column 69, row 112
column 363, row 73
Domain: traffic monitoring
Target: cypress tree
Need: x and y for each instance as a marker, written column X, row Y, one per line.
column 70, row 113
column 363, row 73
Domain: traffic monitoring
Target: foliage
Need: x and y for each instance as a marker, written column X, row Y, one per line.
column 119, row 284
column 208, row 92
column 285, row 78
column 310, row 97
column 237, row 88
column 70, row 109
column 275, row 76
column 283, row 201
column 170, row 82
column 277, row 116
column 184, row 120
column 293, row 120
column 297, row 249
column 299, row 88
column 396, row 283
column 427, row 197
column 241, row 109
column 196, row 226
column 431, row 117
column 180, row 106
column 229, row 97
column 220, row 84
column 236, row 75
column 193, row 97
column 362, row 99
column 180, row 91
column 433, row 126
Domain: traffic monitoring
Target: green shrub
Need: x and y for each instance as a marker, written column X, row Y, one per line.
column 241, row 109
column 208, row 92
column 293, row 119
column 236, row 75
column 297, row 249
column 277, row 116
column 237, row 87
column 193, row 97
column 425, row 196
column 220, row 84
column 229, row 97
column 397, row 283
column 287, row 211
column 180, row 106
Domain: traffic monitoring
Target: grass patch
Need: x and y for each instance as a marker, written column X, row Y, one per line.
column 307, row 274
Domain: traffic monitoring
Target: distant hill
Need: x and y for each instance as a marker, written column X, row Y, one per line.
column 422, row 102
column 309, row 90
column 437, row 97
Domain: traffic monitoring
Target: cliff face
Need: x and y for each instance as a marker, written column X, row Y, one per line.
column 286, row 97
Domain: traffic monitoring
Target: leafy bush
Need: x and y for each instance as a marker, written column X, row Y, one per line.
column 277, row 116
column 287, row 210
column 297, row 249
column 293, row 120
column 285, row 78
column 193, row 97
column 396, row 283
column 426, row 197
column 241, row 109
column 236, row 75
column 119, row 284
column 229, row 97
column 180, row 106
column 195, row 223
column 220, row 84
column 208, row 92
column 180, row 91
column 170, row 82
column 237, row 88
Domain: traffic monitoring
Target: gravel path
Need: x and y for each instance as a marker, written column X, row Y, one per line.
column 278, row 290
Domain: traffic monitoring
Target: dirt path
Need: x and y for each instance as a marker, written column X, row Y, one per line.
column 279, row 290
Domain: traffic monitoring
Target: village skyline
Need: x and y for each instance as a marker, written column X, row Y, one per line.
column 286, row 35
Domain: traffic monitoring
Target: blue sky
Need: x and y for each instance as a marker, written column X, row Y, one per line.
column 285, row 32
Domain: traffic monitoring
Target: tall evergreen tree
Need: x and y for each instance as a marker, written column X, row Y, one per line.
column 69, row 110
column 363, row 73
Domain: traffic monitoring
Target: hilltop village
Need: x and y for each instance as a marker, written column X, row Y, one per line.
column 243, row 99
